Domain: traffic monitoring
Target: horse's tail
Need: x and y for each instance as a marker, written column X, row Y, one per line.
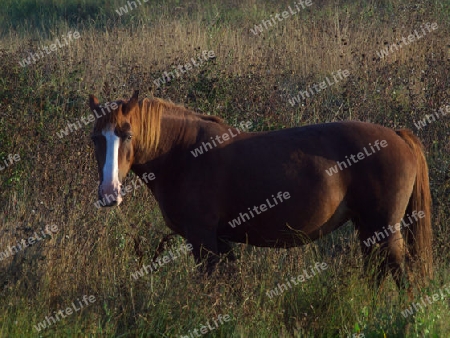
column 419, row 235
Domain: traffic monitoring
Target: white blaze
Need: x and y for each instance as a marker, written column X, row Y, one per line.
column 111, row 168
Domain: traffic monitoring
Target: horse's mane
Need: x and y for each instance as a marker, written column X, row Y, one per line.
column 149, row 117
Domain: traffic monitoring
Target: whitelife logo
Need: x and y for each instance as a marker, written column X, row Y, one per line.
column 11, row 158
column 319, row 267
column 205, row 329
column 245, row 126
column 48, row 231
column 263, row 207
column 341, row 74
column 434, row 298
column 360, row 155
column 46, row 323
column 53, row 48
column 259, row 28
column 184, row 68
column 431, row 118
column 124, row 10
column 166, row 259
column 411, row 38
column 125, row 190
column 416, row 215
column 89, row 118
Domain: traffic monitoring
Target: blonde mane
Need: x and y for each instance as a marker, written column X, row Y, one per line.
column 150, row 114
column 149, row 117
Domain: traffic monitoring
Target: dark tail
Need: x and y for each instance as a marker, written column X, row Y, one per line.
column 419, row 236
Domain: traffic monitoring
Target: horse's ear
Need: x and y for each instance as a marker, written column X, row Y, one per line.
column 132, row 102
column 93, row 102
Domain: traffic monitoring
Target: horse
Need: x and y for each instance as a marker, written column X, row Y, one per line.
column 216, row 184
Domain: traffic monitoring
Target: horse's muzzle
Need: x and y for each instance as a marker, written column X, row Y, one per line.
column 109, row 194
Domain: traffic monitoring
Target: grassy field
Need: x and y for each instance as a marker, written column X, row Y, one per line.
column 252, row 78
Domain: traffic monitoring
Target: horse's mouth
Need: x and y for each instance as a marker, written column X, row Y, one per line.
column 109, row 200
column 107, row 204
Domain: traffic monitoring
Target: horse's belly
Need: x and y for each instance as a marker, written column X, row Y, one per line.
column 293, row 227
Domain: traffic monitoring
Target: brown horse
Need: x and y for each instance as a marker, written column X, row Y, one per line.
column 271, row 189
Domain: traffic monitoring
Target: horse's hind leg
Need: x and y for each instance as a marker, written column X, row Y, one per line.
column 383, row 252
column 396, row 259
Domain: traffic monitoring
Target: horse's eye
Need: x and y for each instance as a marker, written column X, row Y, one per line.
column 128, row 137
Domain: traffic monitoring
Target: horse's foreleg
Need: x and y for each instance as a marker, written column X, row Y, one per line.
column 205, row 247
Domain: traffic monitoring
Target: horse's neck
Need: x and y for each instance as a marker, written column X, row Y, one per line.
column 176, row 132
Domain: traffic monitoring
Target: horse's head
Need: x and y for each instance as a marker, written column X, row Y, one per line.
column 113, row 138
